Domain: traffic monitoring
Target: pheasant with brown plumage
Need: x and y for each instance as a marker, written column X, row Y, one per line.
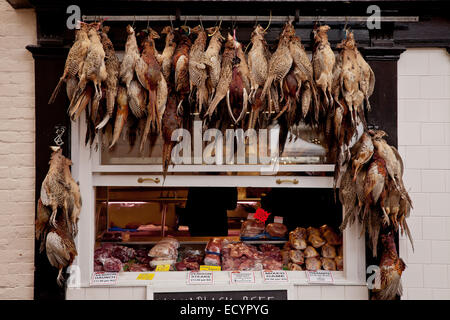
column 197, row 69
column 74, row 61
column 279, row 65
column 112, row 65
column 94, row 70
column 323, row 60
column 226, row 75
column 212, row 60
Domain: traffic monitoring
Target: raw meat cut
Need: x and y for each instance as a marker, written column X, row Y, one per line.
column 297, row 238
column 285, row 256
column 316, row 241
column 296, row 256
column 328, row 264
column 313, row 231
column 170, row 240
column 123, row 253
column 330, row 236
column 270, row 263
column 165, row 248
column 328, row 251
column 212, row 260
column 310, row 252
column 275, row 229
column 214, row 245
column 294, row 267
column 251, row 228
column 112, row 265
column 98, row 267
column 313, row 264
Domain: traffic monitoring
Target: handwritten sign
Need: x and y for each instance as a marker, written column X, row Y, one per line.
column 162, row 267
column 210, row 268
column 200, row 277
column 104, row 278
column 275, row 276
column 320, row 276
column 238, row 277
column 145, row 276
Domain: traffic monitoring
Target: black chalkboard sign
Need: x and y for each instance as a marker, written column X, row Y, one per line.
column 260, row 295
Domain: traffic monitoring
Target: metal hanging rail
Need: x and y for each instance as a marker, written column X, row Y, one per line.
column 237, row 18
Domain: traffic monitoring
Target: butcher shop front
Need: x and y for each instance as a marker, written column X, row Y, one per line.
column 220, row 150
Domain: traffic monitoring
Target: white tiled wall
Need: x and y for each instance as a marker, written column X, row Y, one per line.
column 424, row 143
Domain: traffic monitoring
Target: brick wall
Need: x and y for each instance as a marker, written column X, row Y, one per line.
column 17, row 29
column 424, row 143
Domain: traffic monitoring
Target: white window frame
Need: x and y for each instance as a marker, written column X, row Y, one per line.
column 88, row 171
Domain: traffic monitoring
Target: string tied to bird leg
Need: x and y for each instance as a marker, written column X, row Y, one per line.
column 345, row 26
column 270, row 21
column 201, row 23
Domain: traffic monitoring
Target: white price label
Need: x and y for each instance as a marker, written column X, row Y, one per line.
column 242, row 277
column 200, row 277
column 275, row 276
column 104, row 278
column 278, row 219
column 320, row 276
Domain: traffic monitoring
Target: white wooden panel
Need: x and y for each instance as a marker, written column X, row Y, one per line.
column 214, row 168
column 212, row 181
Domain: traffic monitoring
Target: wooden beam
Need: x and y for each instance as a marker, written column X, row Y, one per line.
column 20, row 4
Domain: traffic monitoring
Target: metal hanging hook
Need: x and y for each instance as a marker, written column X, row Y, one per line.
column 171, row 23
column 134, row 20
column 148, row 21
column 60, row 130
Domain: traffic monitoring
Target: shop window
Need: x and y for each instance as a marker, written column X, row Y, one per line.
column 131, row 221
column 129, row 206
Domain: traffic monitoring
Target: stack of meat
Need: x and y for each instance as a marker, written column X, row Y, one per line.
column 111, row 257
column 190, row 260
column 165, row 252
column 213, row 251
column 313, row 249
column 241, row 256
column 252, row 228
column 276, row 230
column 272, row 257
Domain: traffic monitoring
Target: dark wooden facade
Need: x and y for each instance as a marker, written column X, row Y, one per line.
column 382, row 49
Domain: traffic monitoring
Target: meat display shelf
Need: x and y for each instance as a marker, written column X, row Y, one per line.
column 182, row 240
column 193, row 240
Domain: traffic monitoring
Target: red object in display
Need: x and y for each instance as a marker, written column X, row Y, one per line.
column 261, row 215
